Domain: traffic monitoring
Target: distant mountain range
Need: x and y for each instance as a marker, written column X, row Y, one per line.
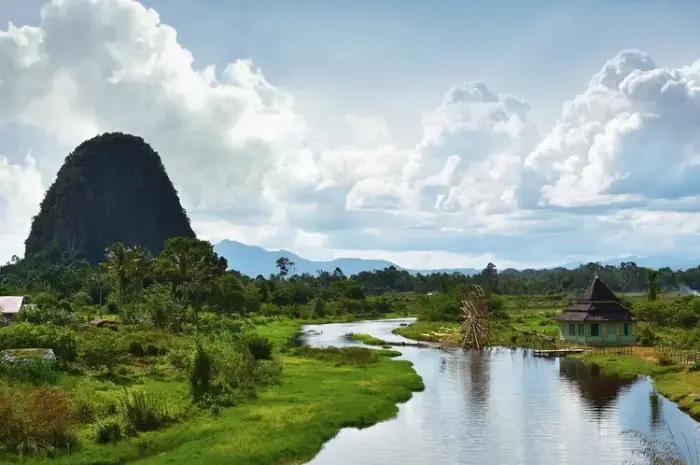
column 253, row 261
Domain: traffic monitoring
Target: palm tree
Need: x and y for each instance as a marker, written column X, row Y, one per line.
column 653, row 285
column 127, row 266
column 191, row 266
column 119, row 265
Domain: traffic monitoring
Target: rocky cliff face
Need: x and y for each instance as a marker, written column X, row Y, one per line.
column 111, row 188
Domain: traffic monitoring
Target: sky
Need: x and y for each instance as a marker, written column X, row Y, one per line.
column 435, row 135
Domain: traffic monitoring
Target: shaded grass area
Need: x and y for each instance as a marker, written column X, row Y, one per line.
column 322, row 391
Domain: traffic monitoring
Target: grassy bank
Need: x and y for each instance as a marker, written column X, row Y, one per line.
column 321, row 392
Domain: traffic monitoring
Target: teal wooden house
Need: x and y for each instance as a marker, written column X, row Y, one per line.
column 597, row 318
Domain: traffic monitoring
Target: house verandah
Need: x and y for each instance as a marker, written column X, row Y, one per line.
column 597, row 318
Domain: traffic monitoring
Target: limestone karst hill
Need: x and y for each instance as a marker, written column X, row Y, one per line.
column 111, row 188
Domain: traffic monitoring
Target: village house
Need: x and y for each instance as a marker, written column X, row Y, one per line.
column 597, row 318
column 10, row 306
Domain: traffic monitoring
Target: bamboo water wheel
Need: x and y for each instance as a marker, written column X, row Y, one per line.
column 474, row 315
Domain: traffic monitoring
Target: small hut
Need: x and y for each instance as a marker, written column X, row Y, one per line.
column 597, row 318
column 10, row 306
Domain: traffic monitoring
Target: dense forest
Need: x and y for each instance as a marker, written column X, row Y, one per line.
column 65, row 276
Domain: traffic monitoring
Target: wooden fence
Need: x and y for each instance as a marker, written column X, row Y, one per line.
column 678, row 356
column 608, row 350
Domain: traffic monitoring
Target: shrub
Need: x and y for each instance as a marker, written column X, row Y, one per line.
column 26, row 335
column 107, row 431
column 202, row 373
column 39, row 420
column 646, row 336
column 319, row 308
column 143, row 412
column 260, row 347
column 100, row 348
column 135, row 348
column 52, row 315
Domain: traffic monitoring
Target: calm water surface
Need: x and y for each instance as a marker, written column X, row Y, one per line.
column 502, row 407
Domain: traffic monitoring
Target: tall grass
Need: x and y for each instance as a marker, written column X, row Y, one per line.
column 144, row 412
column 341, row 356
column 40, row 420
column 660, row 451
column 35, row 371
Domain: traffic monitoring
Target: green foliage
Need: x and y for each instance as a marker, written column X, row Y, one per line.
column 59, row 316
column 101, row 348
column 144, row 412
column 341, row 356
column 319, row 308
column 34, row 371
column 25, row 335
column 202, row 373
column 260, row 347
column 107, row 430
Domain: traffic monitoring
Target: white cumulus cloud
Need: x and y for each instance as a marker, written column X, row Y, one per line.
column 484, row 180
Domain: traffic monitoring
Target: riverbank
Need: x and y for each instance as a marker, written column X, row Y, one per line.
column 323, row 390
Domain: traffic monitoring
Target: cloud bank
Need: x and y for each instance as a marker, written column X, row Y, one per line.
column 616, row 174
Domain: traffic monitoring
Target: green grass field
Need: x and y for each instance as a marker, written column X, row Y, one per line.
column 285, row 424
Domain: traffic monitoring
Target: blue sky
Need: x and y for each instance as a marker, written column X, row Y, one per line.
column 347, row 142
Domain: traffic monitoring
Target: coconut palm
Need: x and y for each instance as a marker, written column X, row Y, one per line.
column 653, row 285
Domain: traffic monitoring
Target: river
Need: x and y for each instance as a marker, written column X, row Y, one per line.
column 502, row 407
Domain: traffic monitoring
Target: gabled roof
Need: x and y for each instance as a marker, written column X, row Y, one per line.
column 11, row 304
column 597, row 291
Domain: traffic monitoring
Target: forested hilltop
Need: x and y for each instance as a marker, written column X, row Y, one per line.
column 111, row 188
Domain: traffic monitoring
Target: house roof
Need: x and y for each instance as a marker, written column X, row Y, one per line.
column 597, row 303
column 11, row 304
column 597, row 291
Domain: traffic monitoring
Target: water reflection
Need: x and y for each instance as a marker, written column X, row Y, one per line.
column 655, row 411
column 502, row 407
column 599, row 391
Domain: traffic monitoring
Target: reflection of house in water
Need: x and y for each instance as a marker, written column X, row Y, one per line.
column 598, row 390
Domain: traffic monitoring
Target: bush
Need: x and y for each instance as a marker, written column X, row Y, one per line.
column 26, row 336
column 100, row 348
column 202, row 373
column 143, row 412
column 34, row 421
column 107, row 431
column 136, row 349
column 225, row 369
column 58, row 316
column 646, row 336
column 260, row 347
column 665, row 361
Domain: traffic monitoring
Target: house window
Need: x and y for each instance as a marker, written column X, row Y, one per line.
column 595, row 330
column 572, row 330
column 580, row 330
column 626, row 329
